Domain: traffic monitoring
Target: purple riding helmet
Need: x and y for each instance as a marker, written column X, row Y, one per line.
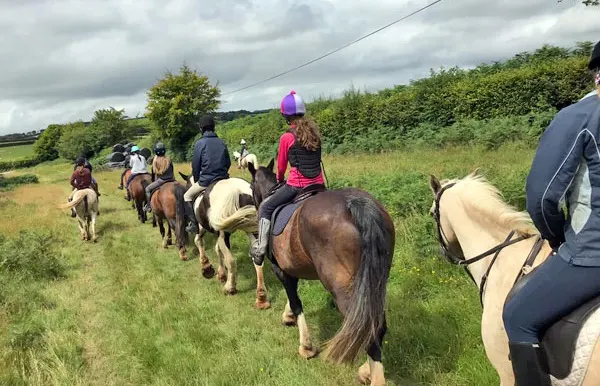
column 292, row 105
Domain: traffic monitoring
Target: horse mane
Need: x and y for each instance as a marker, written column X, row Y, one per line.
column 480, row 195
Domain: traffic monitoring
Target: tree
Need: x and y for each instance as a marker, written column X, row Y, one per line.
column 45, row 147
column 77, row 140
column 108, row 127
column 175, row 103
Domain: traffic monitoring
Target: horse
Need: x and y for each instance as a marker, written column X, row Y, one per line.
column 137, row 192
column 344, row 238
column 85, row 202
column 244, row 161
column 124, row 182
column 473, row 220
column 223, row 208
column 167, row 203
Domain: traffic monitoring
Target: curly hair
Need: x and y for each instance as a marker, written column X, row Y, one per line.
column 307, row 132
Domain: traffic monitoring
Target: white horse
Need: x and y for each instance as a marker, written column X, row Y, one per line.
column 85, row 202
column 245, row 160
column 472, row 220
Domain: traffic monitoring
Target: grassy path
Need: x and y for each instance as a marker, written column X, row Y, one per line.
column 131, row 313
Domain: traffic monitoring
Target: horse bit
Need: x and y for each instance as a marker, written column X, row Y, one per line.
column 461, row 260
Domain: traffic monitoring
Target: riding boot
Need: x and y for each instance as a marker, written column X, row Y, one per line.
column 259, row 247
column 148, row 208
column 192, row 226
column 529, row 364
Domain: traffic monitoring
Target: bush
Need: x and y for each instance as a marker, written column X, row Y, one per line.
column 17, row 164
column 46, row 146
column 77, row 140
column 8, row 183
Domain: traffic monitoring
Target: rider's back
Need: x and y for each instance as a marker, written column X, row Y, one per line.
column 211, row 159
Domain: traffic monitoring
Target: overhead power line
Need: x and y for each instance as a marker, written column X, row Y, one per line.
column 334, row 51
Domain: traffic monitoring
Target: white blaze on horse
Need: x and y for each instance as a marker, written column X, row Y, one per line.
column 85, row 202
column 498, row 246
column 224, row 207
column 243, row 161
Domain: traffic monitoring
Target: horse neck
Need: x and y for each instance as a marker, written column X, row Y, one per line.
column 476, row 235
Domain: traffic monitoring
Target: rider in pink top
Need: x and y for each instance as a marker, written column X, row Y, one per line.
column 300, row 146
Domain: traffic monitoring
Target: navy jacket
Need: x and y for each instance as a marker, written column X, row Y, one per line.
column 566, row 168
column 210, row 160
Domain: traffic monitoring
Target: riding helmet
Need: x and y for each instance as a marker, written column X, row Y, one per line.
column 80, row 161
column 292, row 105
column 135, row 148
column 206, row 123
column 595, row 58
column 160, row 149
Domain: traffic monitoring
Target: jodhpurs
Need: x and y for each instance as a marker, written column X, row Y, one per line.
column 193, row 192
column 555, row 289
column 156, row 184
column 282, row 196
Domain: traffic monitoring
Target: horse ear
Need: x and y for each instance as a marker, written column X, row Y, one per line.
column 251, row 169
column 185, row 178
column 271, row 164
column 435, row 184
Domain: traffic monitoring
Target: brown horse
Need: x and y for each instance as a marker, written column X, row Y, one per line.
column 137, row 192
column 124, row 181
column 344, row 238
column 167, row 203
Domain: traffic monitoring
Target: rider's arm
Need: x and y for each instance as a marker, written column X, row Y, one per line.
column 285, row 142
column 197, row 159
column 73, row 180
column 554, row 166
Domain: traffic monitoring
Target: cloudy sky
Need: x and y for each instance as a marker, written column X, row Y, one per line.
column 60, row 60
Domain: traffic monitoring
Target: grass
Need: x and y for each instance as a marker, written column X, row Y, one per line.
column 124, row 311
column 13, row 153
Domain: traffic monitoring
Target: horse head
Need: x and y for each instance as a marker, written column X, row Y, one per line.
column 263, row 181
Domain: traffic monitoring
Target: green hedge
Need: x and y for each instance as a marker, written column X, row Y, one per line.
column 18, row 164
column 487, row 105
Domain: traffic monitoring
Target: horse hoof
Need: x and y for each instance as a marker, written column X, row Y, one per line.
column 229, row 291
column 364, row 374
column 307, row 352
column 169, row 242
column 263, row 304
column 95, row 240
column 183, row 257
column 288, row 321
column 208, row 272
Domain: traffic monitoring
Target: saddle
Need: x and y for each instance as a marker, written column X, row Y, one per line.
column 559, row 341
column 283, row 213
column 204, row 205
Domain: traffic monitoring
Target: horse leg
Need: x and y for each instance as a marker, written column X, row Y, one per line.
column 221, row 270
column 230, row 263
column 207, row 269
column 306, row 349
column 161, row 228
column 93, row 227
column 262, row 302
column 371, row 372
column 288, row 318
column 81, row 225
column 153, row 220
column 171, row 225
column 180, row 245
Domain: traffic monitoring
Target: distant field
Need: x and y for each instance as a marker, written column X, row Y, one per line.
column 127, row 312
column 12, row 153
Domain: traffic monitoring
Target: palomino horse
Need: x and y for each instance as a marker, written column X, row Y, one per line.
column 344, row 238
column 473, row 220
column 225, row 207
column 137, row 191
column 85, row 202
column 167, row 203
column 248, row 159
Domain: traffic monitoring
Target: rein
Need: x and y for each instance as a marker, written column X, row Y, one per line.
column 458, row 260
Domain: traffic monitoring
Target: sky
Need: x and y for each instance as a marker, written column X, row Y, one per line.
column 61, row 60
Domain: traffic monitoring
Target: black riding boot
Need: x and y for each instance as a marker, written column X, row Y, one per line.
column 192, row 226
column 148, row 208
column 529, row 365
column 128, row 198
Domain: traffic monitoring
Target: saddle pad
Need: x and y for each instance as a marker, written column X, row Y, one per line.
column 282, row 216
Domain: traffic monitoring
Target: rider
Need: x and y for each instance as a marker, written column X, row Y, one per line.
column 243, row 149
column 162, row 170
column 94, row 184
column 210, row 161
column 566, row 165
column 81, row 178
column 301, row 146
column 137, row 162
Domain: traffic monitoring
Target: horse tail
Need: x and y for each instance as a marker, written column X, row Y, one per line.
column 85, row 203
column 244, row 218
column 179, row 191
column 73, row 203
column 365, row 315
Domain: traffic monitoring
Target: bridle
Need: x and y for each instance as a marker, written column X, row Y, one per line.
column 461, row 260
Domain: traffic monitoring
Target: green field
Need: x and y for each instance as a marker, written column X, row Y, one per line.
column 124, row 311
column 13, row 153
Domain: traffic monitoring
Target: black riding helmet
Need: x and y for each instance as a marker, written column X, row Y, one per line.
column 206, row 123
column 595, row 58
column 160, row 149
column 80, row 161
